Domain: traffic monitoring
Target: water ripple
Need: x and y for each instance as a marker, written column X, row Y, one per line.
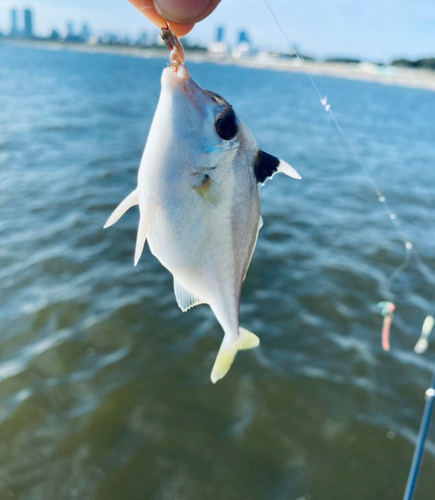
column 105, row 384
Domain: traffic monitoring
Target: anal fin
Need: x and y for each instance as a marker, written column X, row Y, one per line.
column 185, row 299
column 260, row 225
column 131, row 200
column 146, row 214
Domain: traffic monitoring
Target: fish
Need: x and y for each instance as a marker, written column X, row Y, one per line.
column 199, row 207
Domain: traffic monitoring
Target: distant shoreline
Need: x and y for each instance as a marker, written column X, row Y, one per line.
column 387, row 75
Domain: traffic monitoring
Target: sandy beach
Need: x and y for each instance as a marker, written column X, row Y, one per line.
column 366, row 71
column 387, row 75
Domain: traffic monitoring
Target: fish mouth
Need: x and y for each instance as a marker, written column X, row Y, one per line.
column 175, row 77
column 181, row 86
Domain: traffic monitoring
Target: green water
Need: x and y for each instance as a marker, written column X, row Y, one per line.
column 104, row 383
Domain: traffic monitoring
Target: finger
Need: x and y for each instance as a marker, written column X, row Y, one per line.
column 185, row 11
column 148, row 10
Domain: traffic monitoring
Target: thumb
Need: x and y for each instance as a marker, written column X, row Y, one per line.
column 185, row 11
column 146, row 7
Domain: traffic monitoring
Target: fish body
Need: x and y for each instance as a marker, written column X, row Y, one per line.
column 198, row 200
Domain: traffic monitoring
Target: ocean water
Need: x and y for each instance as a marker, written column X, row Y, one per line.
column 104, row 383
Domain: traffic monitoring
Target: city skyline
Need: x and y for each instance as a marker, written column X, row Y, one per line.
column 21, row 23
column 377, row 30
column 21, row 27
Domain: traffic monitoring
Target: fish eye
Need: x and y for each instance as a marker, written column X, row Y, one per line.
column 226, row 125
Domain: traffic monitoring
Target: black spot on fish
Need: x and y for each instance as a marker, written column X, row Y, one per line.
column 265, row 166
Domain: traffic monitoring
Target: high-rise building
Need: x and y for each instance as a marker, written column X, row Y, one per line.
column 218, row 47
column 70, row 29
column 85, row 33
column 243, row 37
column 243, row 47
column 28, row 23
column 14, row 23
column 220, row 32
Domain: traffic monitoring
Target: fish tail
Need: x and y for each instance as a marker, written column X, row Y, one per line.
column 227, row 353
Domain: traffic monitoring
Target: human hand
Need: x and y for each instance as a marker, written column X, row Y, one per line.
column 182, row 14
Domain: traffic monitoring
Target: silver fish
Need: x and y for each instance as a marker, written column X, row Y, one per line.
column 198, row 199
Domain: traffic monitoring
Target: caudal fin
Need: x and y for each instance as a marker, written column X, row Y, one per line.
column 227, row 353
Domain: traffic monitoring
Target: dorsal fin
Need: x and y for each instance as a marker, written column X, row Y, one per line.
column 266, row 166
column 185, row 299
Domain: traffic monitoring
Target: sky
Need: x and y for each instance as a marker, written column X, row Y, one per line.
column 378, row 30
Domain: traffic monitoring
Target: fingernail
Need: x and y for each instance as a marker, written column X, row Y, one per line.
column 181, row 11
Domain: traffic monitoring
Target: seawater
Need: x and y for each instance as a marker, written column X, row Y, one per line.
column 104, row 383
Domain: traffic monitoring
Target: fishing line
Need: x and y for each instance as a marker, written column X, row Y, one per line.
column 387, row 308
column 410, row 249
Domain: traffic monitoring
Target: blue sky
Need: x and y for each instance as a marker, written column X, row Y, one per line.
column 372, row 29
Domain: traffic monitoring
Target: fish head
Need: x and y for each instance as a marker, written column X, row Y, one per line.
column 204, row 119
column 209, row 129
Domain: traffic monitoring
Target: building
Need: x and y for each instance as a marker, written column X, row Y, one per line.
column 85, row 33
column 14, row 23
column 28, row 23
column 55, row 36
column 243, row 37
column 142, row 41
column 220, row 34
column 71, row 35
column 219, row 47
column 243, row 47
column 70, row 29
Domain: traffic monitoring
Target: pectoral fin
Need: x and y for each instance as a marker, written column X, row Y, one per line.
column 146, row 214
column 185, row 299
column 266, row 166
column 227, row 353
column 209, row 190
column 131, row 200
